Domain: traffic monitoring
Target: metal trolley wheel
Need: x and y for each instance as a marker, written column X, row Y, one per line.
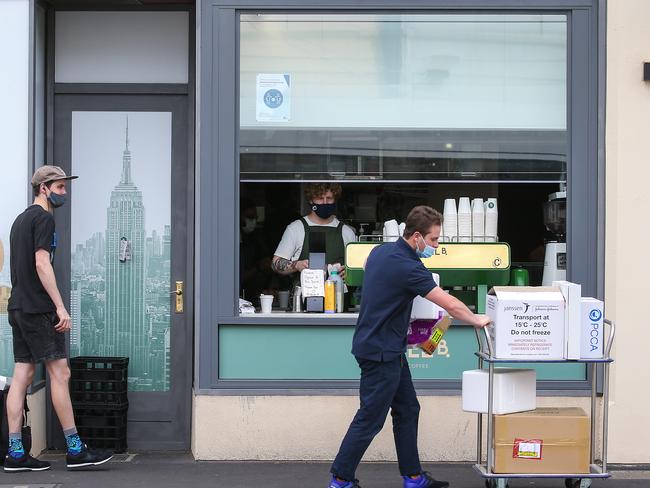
column 497, row 483
column 577, row 482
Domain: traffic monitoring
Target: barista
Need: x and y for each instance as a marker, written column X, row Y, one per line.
column 292, row 253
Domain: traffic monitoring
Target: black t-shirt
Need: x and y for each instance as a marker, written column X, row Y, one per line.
column 394, row 276
column 32, row 230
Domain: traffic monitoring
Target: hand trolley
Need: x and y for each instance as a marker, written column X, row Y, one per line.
column 571, row 480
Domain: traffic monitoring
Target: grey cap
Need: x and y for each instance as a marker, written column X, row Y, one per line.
column 48, row 173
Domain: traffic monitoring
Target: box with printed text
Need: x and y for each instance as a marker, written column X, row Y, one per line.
column 593, row 336
column 528, row 322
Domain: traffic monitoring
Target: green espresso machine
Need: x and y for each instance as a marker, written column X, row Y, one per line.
column 468, row 270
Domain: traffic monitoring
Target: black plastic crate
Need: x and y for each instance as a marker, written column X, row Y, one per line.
column 100, row 392
column 93, row 416
column 97, row 368
column 113, row 439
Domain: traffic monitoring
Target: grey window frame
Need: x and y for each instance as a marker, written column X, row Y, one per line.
column 217, row 182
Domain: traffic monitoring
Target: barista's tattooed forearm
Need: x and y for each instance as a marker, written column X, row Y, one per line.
column 283, row 266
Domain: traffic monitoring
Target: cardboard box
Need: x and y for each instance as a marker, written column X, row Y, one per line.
column 514, row 390
column 528, row 322
column 593, row 332
column 572, row 321
column 544, row 441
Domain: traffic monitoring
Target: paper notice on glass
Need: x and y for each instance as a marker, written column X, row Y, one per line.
column 273, row 99
column 312, row 282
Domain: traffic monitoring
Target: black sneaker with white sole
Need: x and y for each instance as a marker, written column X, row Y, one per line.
column 25, row 463
column 88, row 457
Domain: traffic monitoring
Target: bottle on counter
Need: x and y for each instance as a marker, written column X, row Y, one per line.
column 297, row 299
column 330, row 297
column 338, row 290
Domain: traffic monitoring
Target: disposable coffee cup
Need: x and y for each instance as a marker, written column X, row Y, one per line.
column 267, row 303
column 283, row 299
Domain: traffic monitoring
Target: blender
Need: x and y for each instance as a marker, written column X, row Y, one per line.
column 555, row 252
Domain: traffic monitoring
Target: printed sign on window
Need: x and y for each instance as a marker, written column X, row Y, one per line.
column 273, row 99
column 527, row 449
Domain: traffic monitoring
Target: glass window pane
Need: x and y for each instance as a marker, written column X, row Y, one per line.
column 400, row 110
column 403, row 97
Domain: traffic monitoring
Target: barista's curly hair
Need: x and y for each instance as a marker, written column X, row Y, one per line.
column 315, row 190
column 421, row 219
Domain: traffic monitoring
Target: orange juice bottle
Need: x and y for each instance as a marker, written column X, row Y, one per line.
column 330, row 297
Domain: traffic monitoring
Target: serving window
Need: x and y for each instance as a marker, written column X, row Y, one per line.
column 399, row 110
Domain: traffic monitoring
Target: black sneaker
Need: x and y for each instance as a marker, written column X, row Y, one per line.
column 25, row 463
column 88, row 457
column 424, row 481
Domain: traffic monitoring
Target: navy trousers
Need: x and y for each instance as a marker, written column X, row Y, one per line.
column 383, row 385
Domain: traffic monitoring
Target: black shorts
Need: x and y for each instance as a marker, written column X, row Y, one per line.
column 35, row 338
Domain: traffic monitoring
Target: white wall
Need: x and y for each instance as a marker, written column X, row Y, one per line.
column 36, row 403
column 14, row 93
column 14, row 140
column 627, row 233
column 121, row 47
column 312, row 428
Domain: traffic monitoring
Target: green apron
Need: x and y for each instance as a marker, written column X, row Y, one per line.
column 334, row 244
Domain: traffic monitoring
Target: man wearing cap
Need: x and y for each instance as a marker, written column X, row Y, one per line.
column 39, row 320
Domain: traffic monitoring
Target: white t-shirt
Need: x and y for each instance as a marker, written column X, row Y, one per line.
column 290, row 246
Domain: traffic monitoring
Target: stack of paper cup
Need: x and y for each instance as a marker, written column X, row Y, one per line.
column 450, row 221
column 464, row 220
column 491, row 220
column 391, row 231
column 478, row 220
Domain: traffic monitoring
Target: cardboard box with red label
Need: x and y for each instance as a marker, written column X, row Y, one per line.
column 542, row 441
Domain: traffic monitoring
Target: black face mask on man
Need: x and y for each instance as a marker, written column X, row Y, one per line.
column 55, row 199
column 323, row 210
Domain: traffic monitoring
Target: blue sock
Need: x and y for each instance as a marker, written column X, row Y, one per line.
column 16, row 449
column 73, row 441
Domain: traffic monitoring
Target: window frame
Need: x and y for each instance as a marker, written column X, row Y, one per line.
column 218, row 172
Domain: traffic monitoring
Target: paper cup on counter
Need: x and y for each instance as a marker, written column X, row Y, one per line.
column 267, row 303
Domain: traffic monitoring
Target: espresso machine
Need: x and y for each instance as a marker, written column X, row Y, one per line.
column 555, row 253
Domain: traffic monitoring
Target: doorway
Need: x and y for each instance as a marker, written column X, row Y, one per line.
column 128, row 231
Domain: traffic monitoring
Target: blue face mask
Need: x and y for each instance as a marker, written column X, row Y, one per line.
column 56, row 200
column 427, row 252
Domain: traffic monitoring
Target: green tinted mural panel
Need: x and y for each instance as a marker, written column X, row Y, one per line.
column 121, row 242
column 323, row 353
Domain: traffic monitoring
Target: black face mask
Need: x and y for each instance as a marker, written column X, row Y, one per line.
column 324, row 210
column 56, row 200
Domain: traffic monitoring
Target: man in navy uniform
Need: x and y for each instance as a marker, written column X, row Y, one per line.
column 394, row 276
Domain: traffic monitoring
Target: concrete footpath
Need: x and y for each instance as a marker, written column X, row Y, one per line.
column 180, row 470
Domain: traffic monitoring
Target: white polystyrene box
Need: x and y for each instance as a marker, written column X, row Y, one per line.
column 422, row 308
column 514, row 390
column 572, row 321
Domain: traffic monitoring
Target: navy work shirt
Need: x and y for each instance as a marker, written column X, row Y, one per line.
column 394, row 276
